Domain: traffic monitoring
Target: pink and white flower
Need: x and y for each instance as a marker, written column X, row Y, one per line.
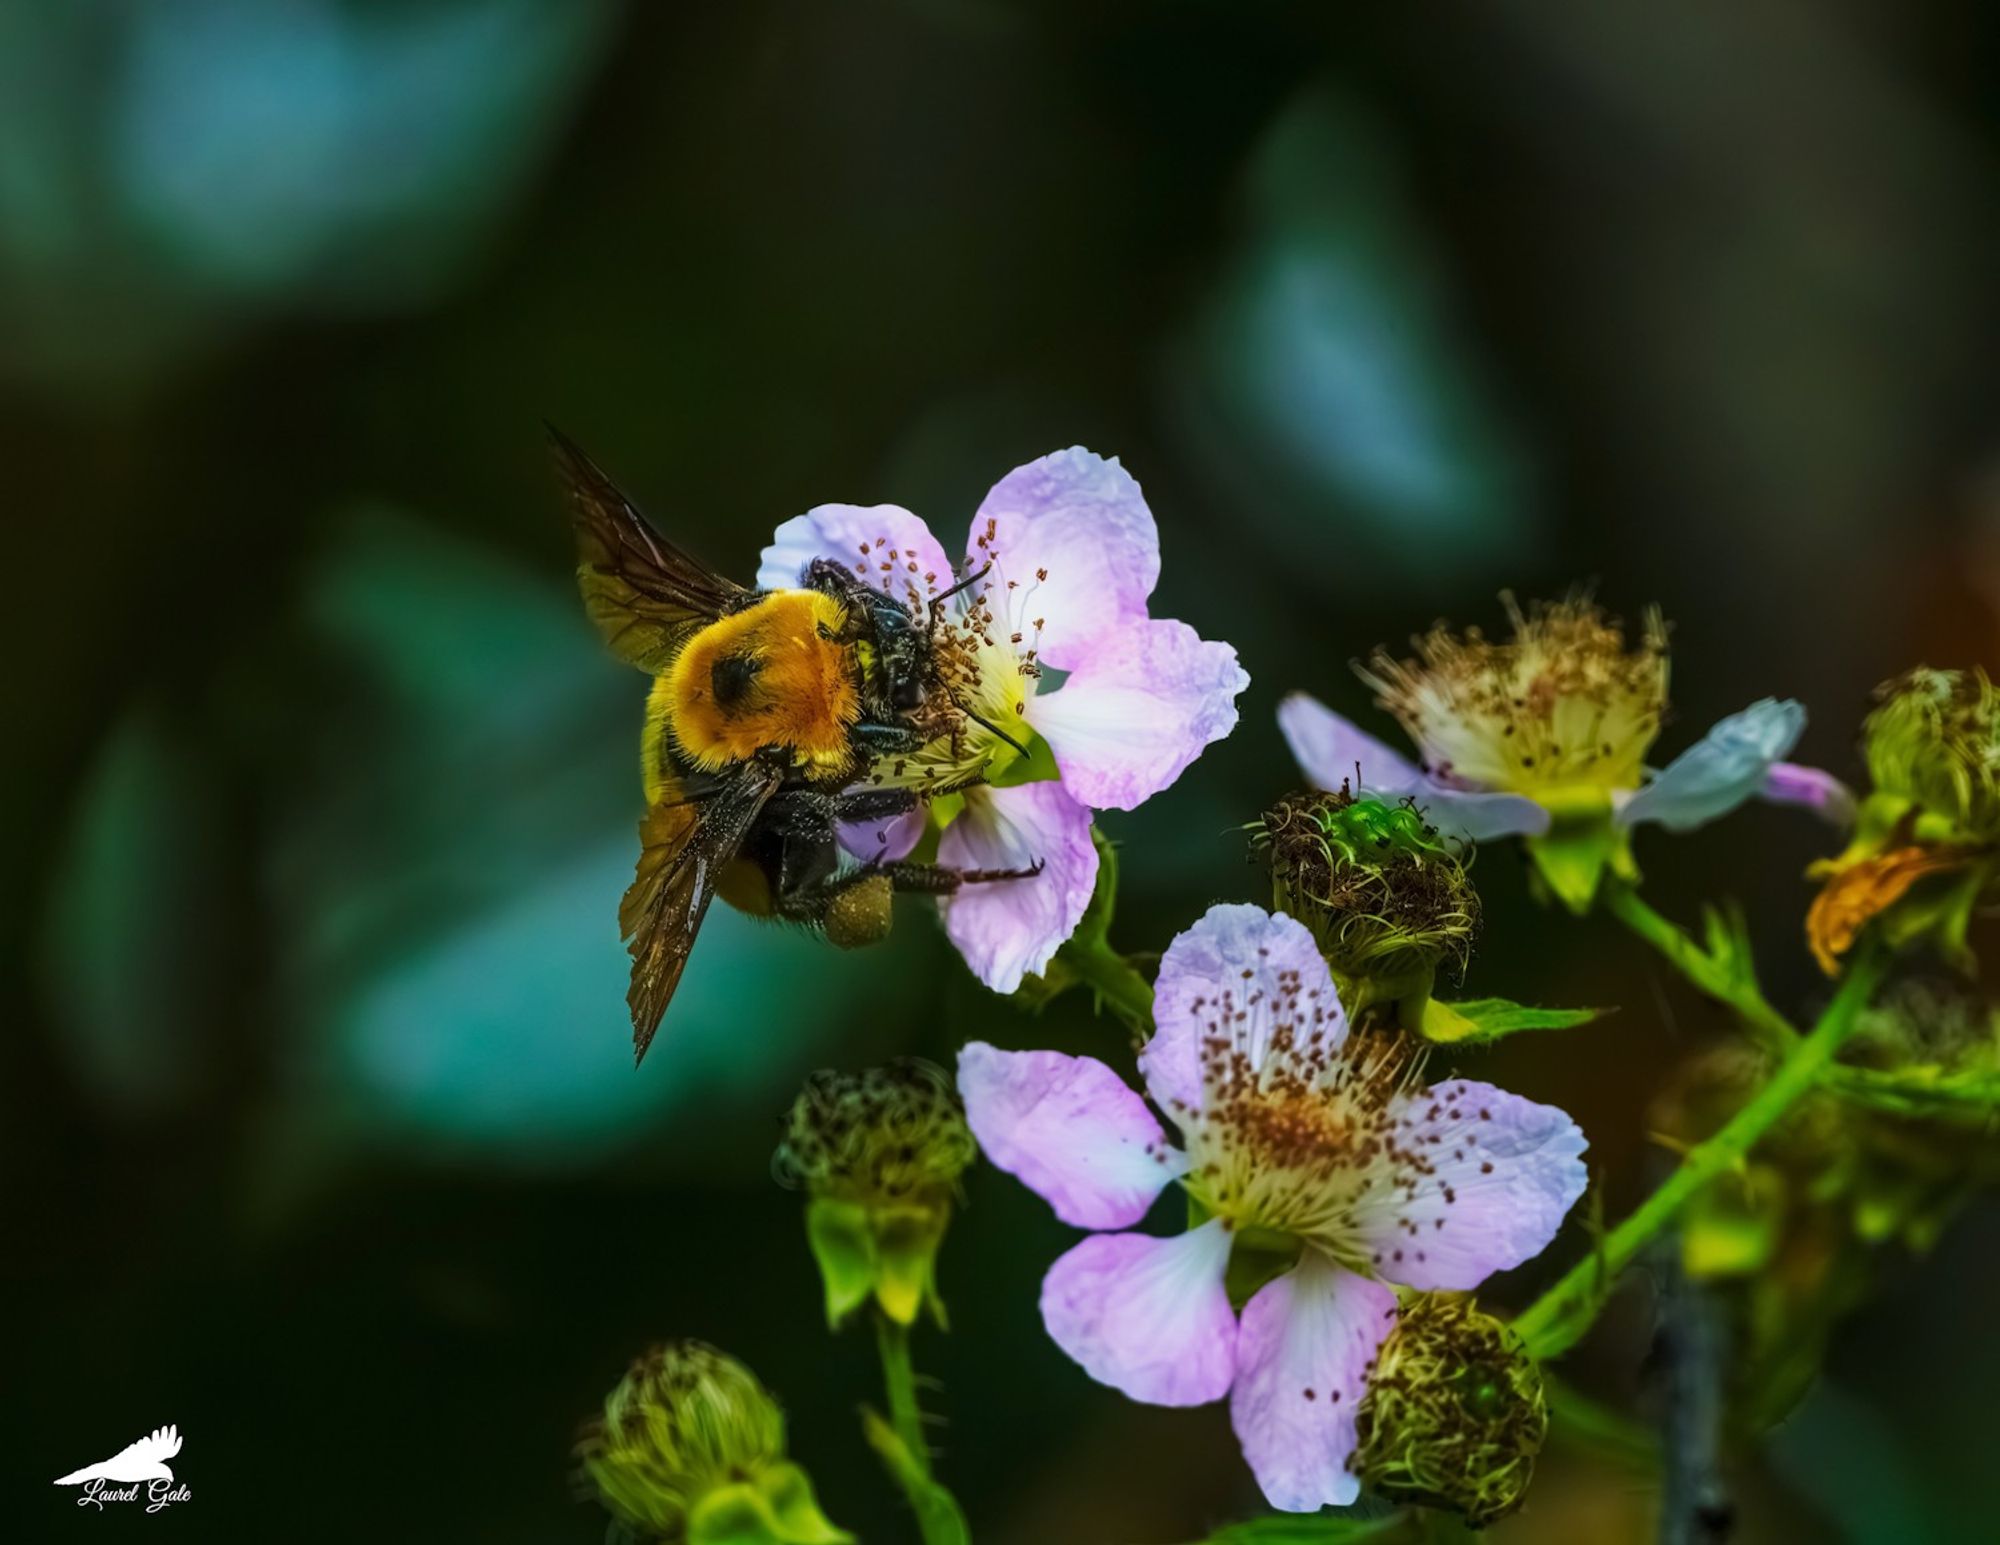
column 1067, row 555
column 1296, row 1141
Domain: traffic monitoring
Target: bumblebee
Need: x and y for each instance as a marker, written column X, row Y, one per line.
column 767, row 708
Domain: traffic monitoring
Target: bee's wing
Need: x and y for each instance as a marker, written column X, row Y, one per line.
column 644, row 593
column 684, row 841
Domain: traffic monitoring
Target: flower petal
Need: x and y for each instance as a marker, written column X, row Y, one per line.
column 1472, row 1180
column 1137, row 709
column 1328, row 749
column 1238, row 976
column 1073, row 537
column 1070, row 1130
column 884, row 544
column 1149, row 1317
column 1787, row 783
column 1007, row 928
column 1303, row 1353
column 887, row 840
column 1721, row 770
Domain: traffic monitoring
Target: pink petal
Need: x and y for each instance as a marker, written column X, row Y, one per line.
column 1236, row 977
column 1007, row 928
column 882, row 543
column 1147, row 1316
column 1303, row 1355
column 1072, row 536
column 1788, row 783
column 1474, row 1181
column 1137, row 709
column 885, row 841
column 1069, row 1129
column 1328, row 748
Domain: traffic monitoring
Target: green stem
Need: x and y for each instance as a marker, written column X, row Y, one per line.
column 1112, row 977
column 1740, row 992
column 899, row 1382
column 1559, row 1318
column 900, row 1441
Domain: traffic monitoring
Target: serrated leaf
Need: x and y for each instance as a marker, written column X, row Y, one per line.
column 1482, row 1020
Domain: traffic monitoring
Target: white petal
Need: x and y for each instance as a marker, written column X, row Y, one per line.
column 1007, row 928
column 884, row 544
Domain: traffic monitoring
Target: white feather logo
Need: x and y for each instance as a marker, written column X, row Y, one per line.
column 141, row 1461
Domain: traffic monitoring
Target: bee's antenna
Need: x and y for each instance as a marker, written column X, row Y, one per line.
column 989, row 724
column 970, row 580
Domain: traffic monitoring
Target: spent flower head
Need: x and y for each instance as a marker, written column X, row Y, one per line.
column 1385, row 895
column 1545, row 735
column 691, row 1448
column 1926, row 845
column 1320, row 1168
column 1060, row 563
column 879, row 1154
column 1455, row 1411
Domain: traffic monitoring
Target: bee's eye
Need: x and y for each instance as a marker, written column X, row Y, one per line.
column 908, row 693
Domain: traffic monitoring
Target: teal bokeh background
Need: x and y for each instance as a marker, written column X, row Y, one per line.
column 321, row 1138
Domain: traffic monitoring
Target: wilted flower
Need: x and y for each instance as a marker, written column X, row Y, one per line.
column 1321, row 1170
column 1062, row 557
column 692, row 1448
column 1386, row 897
column 879, row 1154
column 1545, row 736
column 1455, row 1411
column 1928, row 837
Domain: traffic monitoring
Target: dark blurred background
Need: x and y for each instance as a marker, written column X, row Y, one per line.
column 322, row 1138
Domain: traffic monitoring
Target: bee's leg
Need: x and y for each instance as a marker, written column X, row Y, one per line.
column 942, row 879
column 873, row 804
column 886, row 739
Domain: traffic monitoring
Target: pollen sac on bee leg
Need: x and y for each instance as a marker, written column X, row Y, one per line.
column 860, row 914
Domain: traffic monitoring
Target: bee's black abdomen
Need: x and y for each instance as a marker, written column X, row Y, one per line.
column 730, row 679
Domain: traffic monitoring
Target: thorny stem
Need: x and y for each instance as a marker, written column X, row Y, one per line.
column 1770, row 1028
column 900, row 1441
column 1112, row 977
column 1558, row 1319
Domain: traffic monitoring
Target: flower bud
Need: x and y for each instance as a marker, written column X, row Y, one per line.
column 691, row 1448
column 1455, row 1412
column 1386, row 898
column 879, row 1155
column 1924, row 847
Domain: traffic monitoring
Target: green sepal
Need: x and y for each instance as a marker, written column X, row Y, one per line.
column 887, row 1252
column 1581, row 842
column 777, row 1507
column 1256, row 1257
column 1479, row 1021
column 1038, row 766
column 844, row 1247
column 906, row 1248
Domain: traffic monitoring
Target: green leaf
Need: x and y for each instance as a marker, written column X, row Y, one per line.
column 1315, row 1529
column 1038, row 766
column 1482, row 1020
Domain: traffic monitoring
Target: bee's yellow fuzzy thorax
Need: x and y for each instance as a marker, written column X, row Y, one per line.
column 769, row 676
